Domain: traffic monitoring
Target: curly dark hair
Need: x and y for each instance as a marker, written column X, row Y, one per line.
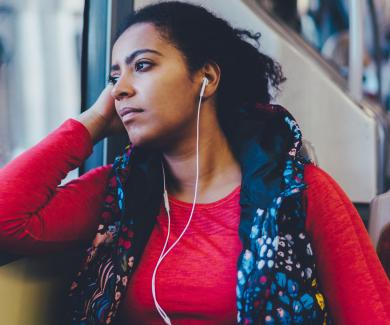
column 247, row 75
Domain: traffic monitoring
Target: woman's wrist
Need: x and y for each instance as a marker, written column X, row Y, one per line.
column 94, row 123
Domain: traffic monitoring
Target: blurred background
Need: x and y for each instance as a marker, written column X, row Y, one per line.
column 40, row 62
column 324, row 24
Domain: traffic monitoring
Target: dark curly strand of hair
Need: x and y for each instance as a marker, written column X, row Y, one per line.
column 247, row 75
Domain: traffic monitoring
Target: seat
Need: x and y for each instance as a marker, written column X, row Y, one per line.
column 379, row 216
column 379, row 228
column 307, row 151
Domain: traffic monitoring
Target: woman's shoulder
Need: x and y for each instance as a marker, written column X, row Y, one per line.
column 325, row 199
column 319, row 182
column 314, row 175
column 348, row 266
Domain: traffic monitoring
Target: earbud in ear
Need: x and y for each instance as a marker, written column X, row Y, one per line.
column 205, row 82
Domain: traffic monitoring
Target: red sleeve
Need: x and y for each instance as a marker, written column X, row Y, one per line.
column 350, row 273
column 36, row 214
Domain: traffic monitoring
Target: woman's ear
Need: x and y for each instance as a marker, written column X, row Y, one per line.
column 212, row 72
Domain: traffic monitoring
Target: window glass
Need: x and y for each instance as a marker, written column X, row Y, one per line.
column 40, row 64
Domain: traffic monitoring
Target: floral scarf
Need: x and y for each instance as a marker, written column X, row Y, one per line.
column 276, row 279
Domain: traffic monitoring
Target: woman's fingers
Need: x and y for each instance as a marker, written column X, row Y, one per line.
column 101, row 119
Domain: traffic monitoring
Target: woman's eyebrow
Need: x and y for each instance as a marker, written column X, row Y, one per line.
column 133, row 55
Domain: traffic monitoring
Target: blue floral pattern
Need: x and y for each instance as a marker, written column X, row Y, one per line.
column 276, row 278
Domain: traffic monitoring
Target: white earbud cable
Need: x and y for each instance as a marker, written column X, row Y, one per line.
column 166, row 203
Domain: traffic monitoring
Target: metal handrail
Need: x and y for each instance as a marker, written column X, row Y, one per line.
column 356, row 49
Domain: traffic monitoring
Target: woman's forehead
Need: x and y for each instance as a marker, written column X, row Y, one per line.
column 137, row 37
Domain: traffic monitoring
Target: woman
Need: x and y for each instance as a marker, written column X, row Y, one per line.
column 202, row 220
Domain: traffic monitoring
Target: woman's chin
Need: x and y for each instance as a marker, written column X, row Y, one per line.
column 135, row 141
column 147, row 139
column 139, row 139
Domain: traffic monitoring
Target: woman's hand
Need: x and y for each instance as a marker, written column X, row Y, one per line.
column 101, row 118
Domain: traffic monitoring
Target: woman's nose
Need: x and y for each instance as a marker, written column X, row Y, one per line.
column 122, row 89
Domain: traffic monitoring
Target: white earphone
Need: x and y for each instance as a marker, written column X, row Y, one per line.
column 205, row 82
column 164, row 253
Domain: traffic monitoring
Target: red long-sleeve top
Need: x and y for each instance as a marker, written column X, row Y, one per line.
column 39, row 216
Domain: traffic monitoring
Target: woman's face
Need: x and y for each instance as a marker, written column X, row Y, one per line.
column 154, row 95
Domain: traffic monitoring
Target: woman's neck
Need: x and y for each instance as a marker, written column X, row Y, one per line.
column 219, row 172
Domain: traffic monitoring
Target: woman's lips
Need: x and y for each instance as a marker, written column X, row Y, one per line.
column 128, row 113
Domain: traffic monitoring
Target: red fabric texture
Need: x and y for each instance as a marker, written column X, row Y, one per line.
column 37, row 216
column 351, row 275
column 196, row 281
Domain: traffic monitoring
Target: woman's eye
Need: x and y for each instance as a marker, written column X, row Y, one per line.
column 142, row 65
column 113, row 79
column 139, row 66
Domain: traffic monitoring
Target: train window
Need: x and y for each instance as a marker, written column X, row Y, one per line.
column 40, row 63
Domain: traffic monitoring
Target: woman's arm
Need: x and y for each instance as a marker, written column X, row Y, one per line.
column 351, row 275
column 36, row 215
